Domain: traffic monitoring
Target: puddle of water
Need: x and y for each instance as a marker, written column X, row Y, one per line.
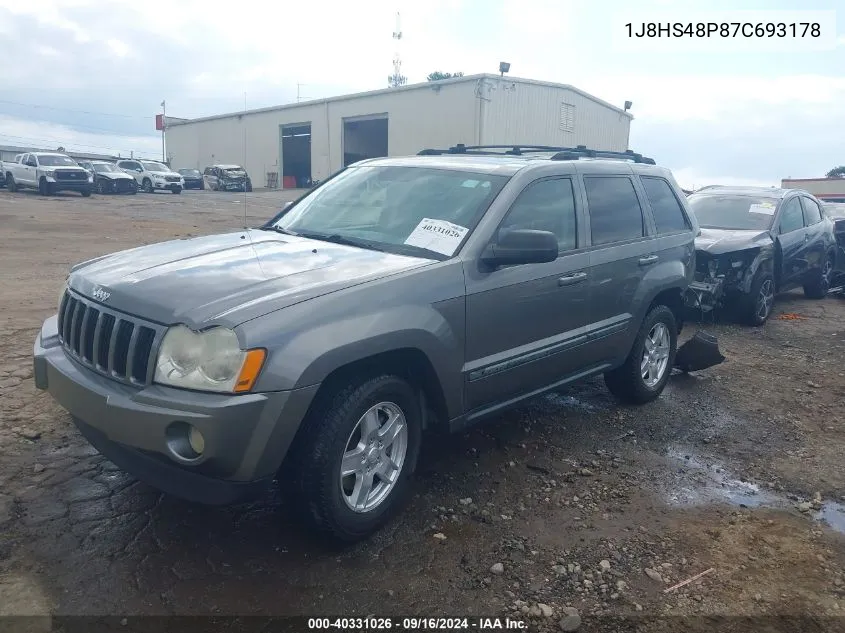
column 834, row 515
column 701, row 481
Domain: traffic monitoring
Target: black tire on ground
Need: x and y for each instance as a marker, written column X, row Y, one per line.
column 86, row 193
column 202, row 185
column 311, row 473
column 147, row 185
column 11, row 185
column 176, row 190
column 627, row 382
column 44, row 187
column 756, row 307
column 818, row 287
column 101, row 189
column 248, row 187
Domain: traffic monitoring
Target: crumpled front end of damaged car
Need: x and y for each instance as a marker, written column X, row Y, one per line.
column 720, row 277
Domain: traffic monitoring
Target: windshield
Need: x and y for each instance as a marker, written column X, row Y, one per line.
column 104, row 168
column 409, row 210
column 56, row 161
column 233, row 170
column 725, row 211
column 189, row 172
column 155, row 166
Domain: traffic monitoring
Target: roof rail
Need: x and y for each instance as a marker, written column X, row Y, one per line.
column 558, row 153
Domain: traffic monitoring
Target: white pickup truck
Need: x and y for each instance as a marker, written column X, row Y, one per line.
column 48, row 172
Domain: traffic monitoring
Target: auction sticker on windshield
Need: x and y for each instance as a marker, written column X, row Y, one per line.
column 766, row 208
column 437, row 235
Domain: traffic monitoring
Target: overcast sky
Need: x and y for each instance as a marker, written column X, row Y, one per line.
column 91, row 75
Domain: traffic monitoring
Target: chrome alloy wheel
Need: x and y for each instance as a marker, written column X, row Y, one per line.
column 373, row 458
column 655, row 358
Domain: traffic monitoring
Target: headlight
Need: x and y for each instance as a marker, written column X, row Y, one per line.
column 50, row 173
column 207, row 361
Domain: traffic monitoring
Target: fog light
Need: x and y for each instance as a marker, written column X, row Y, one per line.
column 196, row 440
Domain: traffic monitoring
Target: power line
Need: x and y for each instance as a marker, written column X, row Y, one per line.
column 46, row 107
column 30, row 139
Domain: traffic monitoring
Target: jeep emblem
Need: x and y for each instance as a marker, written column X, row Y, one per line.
column 100, row 294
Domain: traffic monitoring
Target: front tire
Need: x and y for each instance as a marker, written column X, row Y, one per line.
column 86, row 193
column 819, row 286
column 43, row 187
column 646, row 371
column 11, row 185
column 756, row 306
column 176, row 190
column 351, row 467
column 147, row 185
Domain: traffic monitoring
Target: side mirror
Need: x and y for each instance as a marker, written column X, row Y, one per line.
column 521, row 246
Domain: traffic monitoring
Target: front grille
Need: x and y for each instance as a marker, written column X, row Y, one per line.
column 172, row 178
column 71, row 175
column 113, row 344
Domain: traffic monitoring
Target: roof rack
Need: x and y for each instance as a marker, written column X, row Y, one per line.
column 558, row 153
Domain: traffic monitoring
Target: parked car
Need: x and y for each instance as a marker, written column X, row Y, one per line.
column 836, row 212
column 401, row 295
column 152, row 176
column 2, row 175
column 227, row 178
column 756, row 242
column 49, row 172
column 193, row 178
column 108, row 178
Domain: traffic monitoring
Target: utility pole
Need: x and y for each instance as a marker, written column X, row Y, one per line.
column 163, row 128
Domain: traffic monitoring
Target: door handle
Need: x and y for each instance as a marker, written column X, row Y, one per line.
column 571, row 280
column 806, row 237
column 648, row 261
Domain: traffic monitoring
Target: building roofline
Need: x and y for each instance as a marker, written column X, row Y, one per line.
column 409, row 88
column 842, row 180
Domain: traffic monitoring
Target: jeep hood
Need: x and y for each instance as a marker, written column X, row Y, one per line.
column 720, row 241
column 231, row 278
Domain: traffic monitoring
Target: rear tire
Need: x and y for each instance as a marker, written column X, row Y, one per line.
column 653, row 354
column 756, row 306
column 818, row 287
column 349, row 423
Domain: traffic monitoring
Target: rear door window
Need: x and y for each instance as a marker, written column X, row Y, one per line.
column 668, row 214
column 615, row 211
column 812, row 213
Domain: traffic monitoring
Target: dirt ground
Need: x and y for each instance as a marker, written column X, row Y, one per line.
column 573, row 502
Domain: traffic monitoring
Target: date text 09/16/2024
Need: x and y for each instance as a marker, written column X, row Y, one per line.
column 415, row 624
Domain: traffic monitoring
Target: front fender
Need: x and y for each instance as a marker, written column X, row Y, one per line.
column 763, row 260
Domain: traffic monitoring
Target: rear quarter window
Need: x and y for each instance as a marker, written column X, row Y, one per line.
column 669, row 217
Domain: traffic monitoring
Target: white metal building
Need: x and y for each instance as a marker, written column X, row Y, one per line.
column 287, row 145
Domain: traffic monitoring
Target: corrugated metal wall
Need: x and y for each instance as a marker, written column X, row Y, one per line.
column 431, row 115
column 517, row 112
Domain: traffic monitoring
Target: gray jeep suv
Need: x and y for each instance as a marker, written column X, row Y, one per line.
column 402, row 294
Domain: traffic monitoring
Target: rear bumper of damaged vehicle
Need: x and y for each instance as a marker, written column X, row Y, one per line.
column 144, row 430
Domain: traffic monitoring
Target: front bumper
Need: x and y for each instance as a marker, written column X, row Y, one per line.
column 232, row 185
column 69, row 185
column 246, row 436
column 167, row 186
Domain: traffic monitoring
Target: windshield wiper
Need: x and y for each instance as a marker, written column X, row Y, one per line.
column 278, row 229
column 340, row 239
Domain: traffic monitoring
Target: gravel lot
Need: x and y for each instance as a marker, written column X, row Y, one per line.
column 572, row 504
